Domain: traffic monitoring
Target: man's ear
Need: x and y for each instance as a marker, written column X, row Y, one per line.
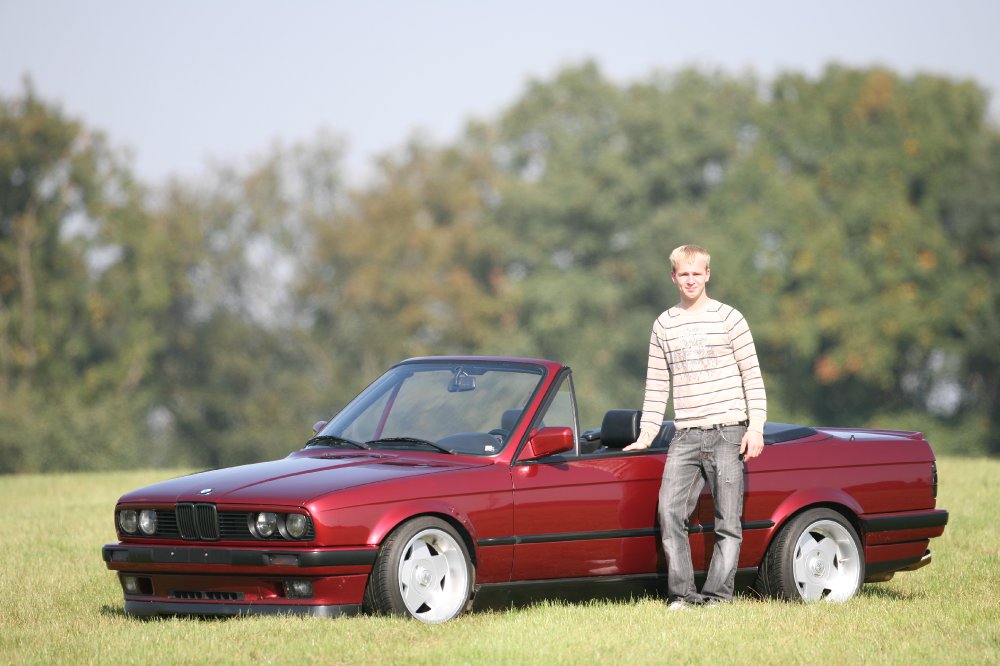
column 708, row 274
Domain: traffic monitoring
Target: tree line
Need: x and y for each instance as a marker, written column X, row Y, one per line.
column 853, row 218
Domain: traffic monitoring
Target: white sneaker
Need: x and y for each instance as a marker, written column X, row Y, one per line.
column 677, row 605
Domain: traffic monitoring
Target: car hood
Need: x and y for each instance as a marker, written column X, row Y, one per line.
column 297, row 479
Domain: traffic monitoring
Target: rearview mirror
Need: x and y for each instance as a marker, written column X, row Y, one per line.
column 548, row 442
column 462, row 382
column 319, row 425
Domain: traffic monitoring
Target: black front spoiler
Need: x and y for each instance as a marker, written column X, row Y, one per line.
column 156, row 608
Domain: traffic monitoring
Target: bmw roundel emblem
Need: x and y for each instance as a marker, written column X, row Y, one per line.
column 205, row 491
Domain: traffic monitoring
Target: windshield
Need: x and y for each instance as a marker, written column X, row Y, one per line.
column 466, row 408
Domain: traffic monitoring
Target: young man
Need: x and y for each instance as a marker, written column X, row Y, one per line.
column 706, row 349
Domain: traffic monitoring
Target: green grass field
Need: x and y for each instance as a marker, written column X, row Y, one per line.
column 58, row 604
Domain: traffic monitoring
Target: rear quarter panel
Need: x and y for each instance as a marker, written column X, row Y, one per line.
column 876, row 474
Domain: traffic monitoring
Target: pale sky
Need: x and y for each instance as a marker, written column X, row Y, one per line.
column 186, row 83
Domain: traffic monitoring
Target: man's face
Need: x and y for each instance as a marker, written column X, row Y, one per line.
column 690, row 278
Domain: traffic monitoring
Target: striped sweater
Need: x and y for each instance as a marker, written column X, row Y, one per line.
column 710, row 357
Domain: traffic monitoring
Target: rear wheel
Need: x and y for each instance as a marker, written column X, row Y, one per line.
column 817, row 556
column 423, row 570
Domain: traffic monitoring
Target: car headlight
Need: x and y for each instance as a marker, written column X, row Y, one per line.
column 147, row 521
column 296, row 525
column 266, row 524
column 128, row 520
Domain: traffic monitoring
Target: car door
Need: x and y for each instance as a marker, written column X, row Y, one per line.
column 584, row 515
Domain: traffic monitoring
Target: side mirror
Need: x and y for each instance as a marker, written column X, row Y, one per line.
column 319, row 425
column 547, row 442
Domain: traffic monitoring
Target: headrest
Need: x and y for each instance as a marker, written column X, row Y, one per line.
column 509, row 419
column 620, row 428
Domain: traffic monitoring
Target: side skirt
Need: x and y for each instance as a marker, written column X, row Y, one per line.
column 573, row 590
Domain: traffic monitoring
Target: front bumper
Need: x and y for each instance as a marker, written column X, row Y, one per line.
column 122, row 557
column 218, row 580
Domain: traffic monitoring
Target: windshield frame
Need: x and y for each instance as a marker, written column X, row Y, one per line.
column 387, row 387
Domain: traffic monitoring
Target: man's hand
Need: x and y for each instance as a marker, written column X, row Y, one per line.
column 645, row 439
column 752, row 444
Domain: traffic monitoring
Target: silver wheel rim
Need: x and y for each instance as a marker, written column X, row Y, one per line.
column 826, row 562
column 433, row 576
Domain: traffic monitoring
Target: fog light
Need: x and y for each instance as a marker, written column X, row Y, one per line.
column 131, row 585
column 298, row 589
column 147, row 521
column 267, row 524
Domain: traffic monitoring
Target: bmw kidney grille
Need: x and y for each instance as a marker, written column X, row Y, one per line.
column 198, row 521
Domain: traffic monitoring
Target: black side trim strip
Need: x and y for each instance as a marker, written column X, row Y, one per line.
column 334, row 558
column 936, row 518
column 236, row 557
column 609, row 534
column 747, row 526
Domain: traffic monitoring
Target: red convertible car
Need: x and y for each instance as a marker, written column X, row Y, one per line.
column 458, row 483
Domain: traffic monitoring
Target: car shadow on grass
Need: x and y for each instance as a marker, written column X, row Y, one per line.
column 112, row 611
column 506, row 603
column 889, row 594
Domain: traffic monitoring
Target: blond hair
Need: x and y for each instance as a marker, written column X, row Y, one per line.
column 689, row 253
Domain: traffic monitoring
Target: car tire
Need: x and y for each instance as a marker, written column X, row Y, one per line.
column 817, row 556
column 423, row 571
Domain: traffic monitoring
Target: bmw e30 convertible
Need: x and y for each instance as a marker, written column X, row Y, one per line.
column 451, row 484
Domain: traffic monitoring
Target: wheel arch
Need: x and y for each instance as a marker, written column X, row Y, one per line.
column 827, row 498
column 448, row 514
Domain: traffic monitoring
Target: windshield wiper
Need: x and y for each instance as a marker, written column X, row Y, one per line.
column 410, row 440
column 334, row 440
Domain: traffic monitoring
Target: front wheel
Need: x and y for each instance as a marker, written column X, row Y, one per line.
column 423, row 570
column 817, row 556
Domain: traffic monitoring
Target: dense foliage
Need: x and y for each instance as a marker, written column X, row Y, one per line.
column 854, row 219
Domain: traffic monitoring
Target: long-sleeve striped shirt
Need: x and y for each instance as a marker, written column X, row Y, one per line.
column 710, row 357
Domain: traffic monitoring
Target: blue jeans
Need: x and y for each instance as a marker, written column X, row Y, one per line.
column 696, row 456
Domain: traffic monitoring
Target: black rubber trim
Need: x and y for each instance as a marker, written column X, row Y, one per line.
column 874, row 568
column 154, row 608
column 936, row 518
column 234, row 557
column 747, row 526
column 609, row 534
column 542, row 409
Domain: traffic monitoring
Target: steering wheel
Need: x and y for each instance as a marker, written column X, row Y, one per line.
column 500, row 434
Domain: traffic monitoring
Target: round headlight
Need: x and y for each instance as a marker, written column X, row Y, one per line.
column 267, row 524
column 147, row 521
column 128, row 520
column 296, row 525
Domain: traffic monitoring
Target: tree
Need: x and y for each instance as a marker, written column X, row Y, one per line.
column 852, row 218
column 407, row 267
column 970, row 211
column 238, row 375
column 601, row 183
column 843, row 192
column 62, row 189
